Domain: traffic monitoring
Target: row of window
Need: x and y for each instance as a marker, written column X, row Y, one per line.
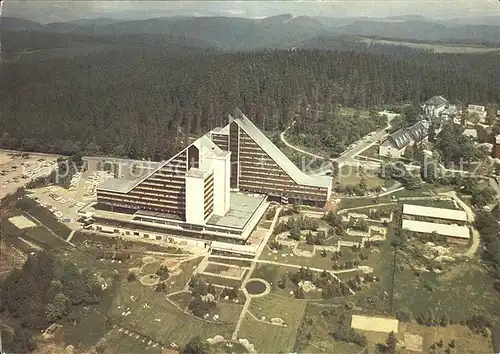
column 286, row 184
column 177, row 197
column 150, row 202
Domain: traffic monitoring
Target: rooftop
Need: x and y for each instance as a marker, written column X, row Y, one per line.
column 436, row 101
column 440, row 213
column 196, row 172
column 470, row 132
column 241, row 208
column 475, row 108
column 442, row 229
column 402, row 137
column 119, row 185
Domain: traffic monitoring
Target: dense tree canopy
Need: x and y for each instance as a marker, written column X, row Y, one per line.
column 333, row 131
column 44, row 290
column 454, row 147
column 141, row 96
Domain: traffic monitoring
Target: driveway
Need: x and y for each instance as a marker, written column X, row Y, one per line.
column 471, row 217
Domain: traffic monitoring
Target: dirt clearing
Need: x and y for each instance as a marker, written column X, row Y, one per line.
column 375, row 324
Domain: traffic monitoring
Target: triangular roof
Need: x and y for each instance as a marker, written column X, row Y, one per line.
column 276, row 154
column 204, row 144
column 436, row 101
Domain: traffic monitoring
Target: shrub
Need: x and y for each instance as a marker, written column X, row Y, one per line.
column 403, row 316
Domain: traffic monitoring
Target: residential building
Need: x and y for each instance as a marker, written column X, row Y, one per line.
column 215, row 189
column 435, row 105
column 450, row 112
column 479, row 110
column 496, row 147
column 471, row 133
column 395, row 145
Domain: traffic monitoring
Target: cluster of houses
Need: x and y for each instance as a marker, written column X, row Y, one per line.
column 435, row 110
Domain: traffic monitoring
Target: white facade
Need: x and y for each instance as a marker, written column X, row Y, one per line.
column 479, row 110
column 195, row 191
column 390, row 151
column 434, row 111
column 222, row 174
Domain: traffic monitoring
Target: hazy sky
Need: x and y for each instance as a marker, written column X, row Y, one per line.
column 64, row 10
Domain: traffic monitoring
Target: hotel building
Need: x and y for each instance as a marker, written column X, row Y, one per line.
column 214, row 189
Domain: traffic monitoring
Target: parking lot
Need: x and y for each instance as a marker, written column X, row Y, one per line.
column 65, row 203
column 17, row 169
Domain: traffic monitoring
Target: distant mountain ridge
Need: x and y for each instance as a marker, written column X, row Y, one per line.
column 279, row 32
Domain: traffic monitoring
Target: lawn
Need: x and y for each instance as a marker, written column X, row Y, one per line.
column 45, row 216
column 318, row 320
column 466, row 291
column 232, row 283
column 269, row 338
column 46, row 240
column 367, row 202
column 427, row 190
column 372, row 152
column 460, row 291
column 228, row 311
column 466, row 341
column 235, row 262
column 272, row 274
column 435, row 203
column 119, row 342
column 348, row 111
column 349, row 175
column 314, row 262
column 266, row 224
column 275, row 306
column 174, row 325
column 178, row 282
column 222, row 348
column 216, row 268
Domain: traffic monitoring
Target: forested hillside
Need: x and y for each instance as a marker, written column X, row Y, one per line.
column 140, row 97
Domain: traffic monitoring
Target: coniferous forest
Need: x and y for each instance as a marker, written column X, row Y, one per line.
column 141, row 96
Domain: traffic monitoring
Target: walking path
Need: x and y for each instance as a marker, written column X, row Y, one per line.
column 282, row 137
column 249, row 274
column 471, row 218
column 70, row 235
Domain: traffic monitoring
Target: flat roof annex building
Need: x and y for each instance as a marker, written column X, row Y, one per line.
column 436, row 213
column 215, row 188
column 453, row 231
column 447, row 222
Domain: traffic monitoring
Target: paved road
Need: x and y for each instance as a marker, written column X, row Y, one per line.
column 283, row 140
column 471, row 217
column 347, row 157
